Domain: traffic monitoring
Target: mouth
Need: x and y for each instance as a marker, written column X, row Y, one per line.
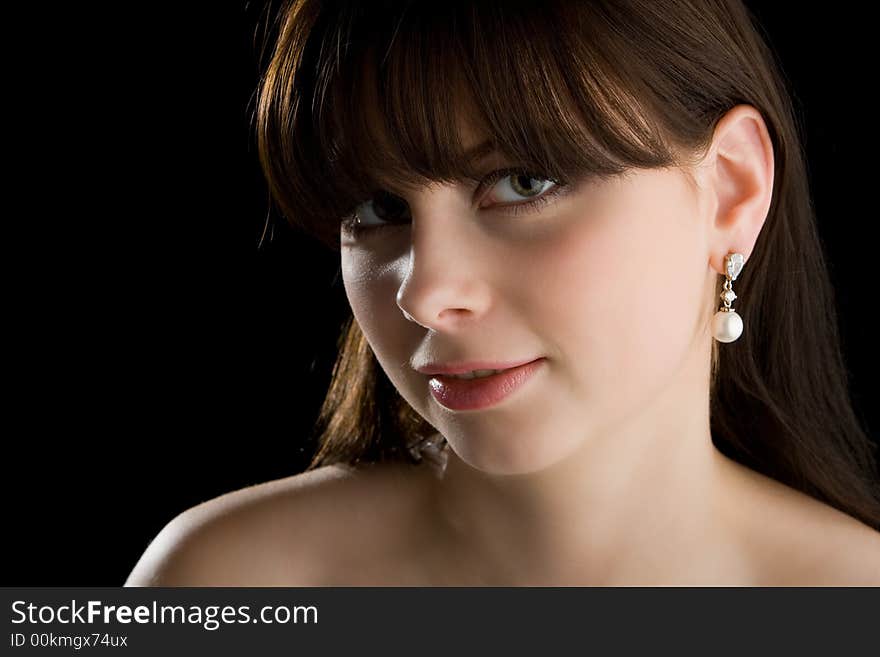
column 482, row 390
column 467, row 367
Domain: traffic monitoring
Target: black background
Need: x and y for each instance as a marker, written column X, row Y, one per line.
column 155, row 356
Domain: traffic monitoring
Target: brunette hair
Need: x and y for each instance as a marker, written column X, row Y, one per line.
column 571, row 89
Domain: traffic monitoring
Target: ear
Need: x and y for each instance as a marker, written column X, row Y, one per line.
column 737, row 175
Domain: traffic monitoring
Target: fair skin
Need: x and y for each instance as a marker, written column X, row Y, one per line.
column 601, row 471
column 605, row 462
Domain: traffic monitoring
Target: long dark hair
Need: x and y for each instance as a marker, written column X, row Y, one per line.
column 571, row 89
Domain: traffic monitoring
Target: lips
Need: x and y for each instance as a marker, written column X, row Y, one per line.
column 463, row 367
column 483, row 392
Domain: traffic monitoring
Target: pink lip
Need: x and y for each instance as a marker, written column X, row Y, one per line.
column 469, row 366
column 470, row 394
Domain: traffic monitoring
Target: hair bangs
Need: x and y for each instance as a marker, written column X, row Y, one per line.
column 396, row 96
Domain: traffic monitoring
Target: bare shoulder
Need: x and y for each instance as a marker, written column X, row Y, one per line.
column 795, row 539
column 278, row 533
column 837, row 549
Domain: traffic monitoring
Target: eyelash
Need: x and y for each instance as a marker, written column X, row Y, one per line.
column 511, row 209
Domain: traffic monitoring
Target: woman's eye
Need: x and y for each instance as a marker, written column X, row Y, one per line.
column 518, row 186
column 513, row 191
column 383, row 207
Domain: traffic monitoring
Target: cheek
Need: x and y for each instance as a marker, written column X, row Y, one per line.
column 356, row 281
column 621, row 292
column 371, row 287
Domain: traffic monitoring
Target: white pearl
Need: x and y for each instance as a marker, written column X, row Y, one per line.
column 727, row 326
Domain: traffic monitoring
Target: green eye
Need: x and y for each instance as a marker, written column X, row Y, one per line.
column 386, row 210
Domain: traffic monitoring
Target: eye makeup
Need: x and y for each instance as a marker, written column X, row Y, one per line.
column 353, row 225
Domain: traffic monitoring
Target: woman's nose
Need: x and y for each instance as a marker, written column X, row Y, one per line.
column 445, row 282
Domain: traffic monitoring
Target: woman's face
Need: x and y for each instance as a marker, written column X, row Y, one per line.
column 609, row 282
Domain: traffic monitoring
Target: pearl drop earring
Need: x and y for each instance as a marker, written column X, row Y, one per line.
column 727, row 325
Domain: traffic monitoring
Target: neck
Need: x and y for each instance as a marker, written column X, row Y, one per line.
column 639, row 501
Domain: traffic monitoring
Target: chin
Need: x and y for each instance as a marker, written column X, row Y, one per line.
column 510, row 459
